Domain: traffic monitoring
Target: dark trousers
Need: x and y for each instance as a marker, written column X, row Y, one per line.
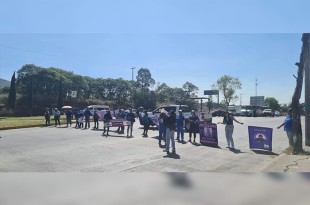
column 57, row 120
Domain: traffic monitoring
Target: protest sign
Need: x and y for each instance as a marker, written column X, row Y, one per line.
column 260, row 138
column 208, row 134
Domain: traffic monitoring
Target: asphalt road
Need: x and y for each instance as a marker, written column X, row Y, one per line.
column 61, row 149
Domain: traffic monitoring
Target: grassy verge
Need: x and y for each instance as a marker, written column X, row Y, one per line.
column 22, row 122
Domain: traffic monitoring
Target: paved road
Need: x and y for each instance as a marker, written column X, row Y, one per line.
column 61, row 149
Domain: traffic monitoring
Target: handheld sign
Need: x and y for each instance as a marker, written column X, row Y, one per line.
column 260, row 138
column 208, row 134
column 117, row 123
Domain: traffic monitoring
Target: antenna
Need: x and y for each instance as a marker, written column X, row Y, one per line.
column 256, row 87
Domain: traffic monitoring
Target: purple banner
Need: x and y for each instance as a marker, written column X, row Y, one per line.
column 260, row 138
column 208, row 134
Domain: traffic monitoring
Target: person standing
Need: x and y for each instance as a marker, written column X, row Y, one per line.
column 228, row 120
column 87, row 115
column 162, row 127
column 193, row 127
column 96, row 119
column 57, row 117
column 47, row 117
column 288, row 127
column 69, row 117
column 170, row 123
column 106, row 119
column 146, row 123
column 131, row 118
column 180, row 126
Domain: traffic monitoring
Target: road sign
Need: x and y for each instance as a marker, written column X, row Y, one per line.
column 73, row 94
column 211, row 92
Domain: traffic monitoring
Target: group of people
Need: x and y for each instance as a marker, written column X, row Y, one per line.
column 169, row 123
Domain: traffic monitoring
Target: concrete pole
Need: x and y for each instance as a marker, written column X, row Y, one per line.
column 307, row 92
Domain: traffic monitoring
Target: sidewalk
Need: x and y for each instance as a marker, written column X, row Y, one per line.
column 290, row 163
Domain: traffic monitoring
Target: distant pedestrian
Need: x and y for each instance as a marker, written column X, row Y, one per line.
column 162, row 127
column 193, row 127
column 81, row 119
column 170, row 123
column 57, row 117
column 131, row 118
column 288, row 127
column 146, row 123
column 228, row 120
column 96, row 119
column 87, row 115
column 106, row 119
column 47, row 117
column 69, row 117
column 180, row 126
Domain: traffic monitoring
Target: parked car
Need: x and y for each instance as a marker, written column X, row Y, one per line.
column 277, row 113
column 218, row 113
column 268, row 112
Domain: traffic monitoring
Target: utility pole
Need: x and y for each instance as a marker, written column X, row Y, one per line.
column 241, row 99
column 307, row 88
column 132, row 72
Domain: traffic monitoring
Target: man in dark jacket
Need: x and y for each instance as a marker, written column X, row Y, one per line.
column 170, row 123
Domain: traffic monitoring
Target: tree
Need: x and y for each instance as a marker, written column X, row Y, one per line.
column 297, row 130
column 144, row 79
column 228, row 85
column 60, row 99
column 30, row 96
column 12, row 93
column 272, row 103
column 190, row 88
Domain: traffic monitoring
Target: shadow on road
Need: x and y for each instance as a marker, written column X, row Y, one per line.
column 265, row 152
column 236, row 151
column 172, row 156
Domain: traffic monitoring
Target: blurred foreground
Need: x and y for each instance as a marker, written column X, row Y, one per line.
column 153, row 188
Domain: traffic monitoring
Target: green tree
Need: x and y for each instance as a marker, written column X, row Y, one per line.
column 60, row 98
column 30, row 96
column 12, row 94
column 190, row 88
column 144, row 79
column 272, row 103
column 228, row 85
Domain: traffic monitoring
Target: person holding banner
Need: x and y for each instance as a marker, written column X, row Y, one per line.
column 229, row 128
column 288, row 127
column 106, row 118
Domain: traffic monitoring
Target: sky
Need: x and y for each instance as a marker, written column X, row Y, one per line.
column 196, row 41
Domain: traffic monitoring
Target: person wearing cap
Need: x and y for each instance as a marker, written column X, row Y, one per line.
column 288, row 126
column 170, row 123
column 193, row 127
column 57, row 117
column 180, row 124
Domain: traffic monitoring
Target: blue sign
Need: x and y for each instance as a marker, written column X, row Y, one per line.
column 208, row 134
column 260, row 138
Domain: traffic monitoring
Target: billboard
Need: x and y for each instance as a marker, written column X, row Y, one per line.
column 208, row 134
column 257, row 101
column 211, row 92
column 260, row 138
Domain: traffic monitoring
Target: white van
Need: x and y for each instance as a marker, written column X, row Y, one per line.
column 98, row 107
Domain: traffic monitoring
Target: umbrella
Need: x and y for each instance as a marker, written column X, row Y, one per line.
column 66, row 107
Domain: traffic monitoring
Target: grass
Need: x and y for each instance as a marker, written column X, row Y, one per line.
column 21, row 122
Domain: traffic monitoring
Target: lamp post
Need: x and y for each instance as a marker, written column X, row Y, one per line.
column 132, row 72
